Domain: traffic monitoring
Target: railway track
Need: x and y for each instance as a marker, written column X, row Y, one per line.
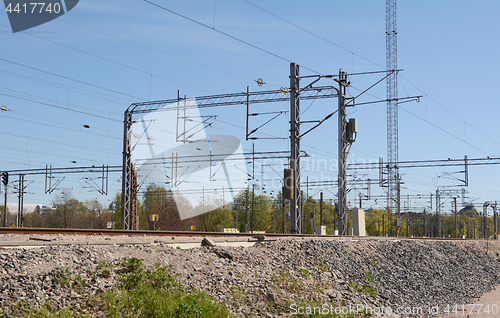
column 56, row 231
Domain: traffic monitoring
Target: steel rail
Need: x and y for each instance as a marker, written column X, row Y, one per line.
column 24, row 231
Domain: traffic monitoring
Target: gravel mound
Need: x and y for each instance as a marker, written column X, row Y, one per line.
column 270, row 279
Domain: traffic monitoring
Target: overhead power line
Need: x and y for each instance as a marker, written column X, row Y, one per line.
column 55, row 106
column 228, row 35
column 71, row 79
column 451, row 112
column 69, row 88
column 375, row 63
column 59, row 143
column 445, row 131
column 111, row 61
column 312, row 33
column 157, row 50
column 10, row 90
column 428, row 122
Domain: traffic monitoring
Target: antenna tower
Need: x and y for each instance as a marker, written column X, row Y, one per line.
column 393, row 193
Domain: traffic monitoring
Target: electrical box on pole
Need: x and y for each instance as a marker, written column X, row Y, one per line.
column 352, row 129
column 287, row 184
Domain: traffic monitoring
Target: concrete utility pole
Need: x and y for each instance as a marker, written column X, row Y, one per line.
column 247, row 209
column 456, row 224
column 274, row 216
column 20, row 207
column 235, row 216
column 283, row 207
column 342, row 144
column 495, row 220
column 484, row 220
column 438, row 212
column 295, row 202
column 321, row 209
column 425, row 223
column 313, row 218
column 5, row 207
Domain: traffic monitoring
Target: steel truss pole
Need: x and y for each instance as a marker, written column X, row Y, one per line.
column 495, row 220
column 133, row 219
column 296, row 201
column 342, row 144
column 126, row 172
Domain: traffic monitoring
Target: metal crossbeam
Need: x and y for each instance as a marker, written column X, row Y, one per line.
column 428, row 163
column 64, row 170
column 236, row 99
column 222, row 157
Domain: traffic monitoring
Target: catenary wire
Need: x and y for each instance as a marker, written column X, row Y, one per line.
column 111, row 61
column 226, row 34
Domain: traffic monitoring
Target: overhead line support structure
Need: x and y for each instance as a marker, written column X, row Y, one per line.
column 48, row 174
column 65, row 170
column 241, row 99
column 428, row 163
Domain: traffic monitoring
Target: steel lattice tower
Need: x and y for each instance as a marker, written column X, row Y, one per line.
column 393, row 193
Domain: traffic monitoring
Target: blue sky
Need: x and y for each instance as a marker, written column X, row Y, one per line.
column 104, row 55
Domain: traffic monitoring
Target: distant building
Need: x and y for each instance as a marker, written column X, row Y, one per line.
column 47, row 209
column 470, row 210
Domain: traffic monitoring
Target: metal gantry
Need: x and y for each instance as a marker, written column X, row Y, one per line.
column 48, row 186
column 428, row 163
column 242, row 99
column 65, row 170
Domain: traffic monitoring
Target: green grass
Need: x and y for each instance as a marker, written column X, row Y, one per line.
column 304, row 273
column 360, row 288
column 369, row 276
column 140, row 292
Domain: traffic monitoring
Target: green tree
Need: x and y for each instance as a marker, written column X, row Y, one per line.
column 117, row 206
column 66, row 209
column 160, row 201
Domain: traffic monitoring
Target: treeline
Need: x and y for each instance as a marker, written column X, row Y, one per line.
column 264, row 213
column 252, row 211
column 69, row 213
column 469, row 224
